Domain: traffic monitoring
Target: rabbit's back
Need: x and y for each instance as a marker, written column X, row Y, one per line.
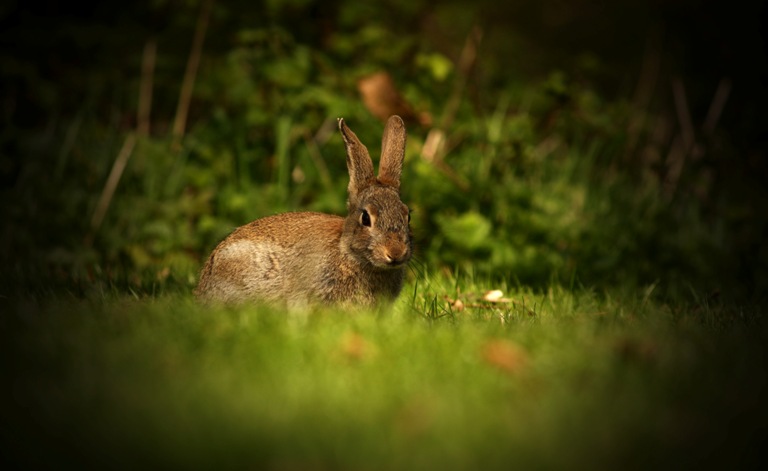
column 276, row 258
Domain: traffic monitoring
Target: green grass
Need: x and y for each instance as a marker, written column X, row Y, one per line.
column 554, row 379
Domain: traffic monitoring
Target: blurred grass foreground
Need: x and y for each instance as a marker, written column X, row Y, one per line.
column 601, row 168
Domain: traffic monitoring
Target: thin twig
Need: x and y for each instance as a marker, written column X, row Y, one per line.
column 112, row 181
column 717, row 106
column 683, row 143
column 464, row 66
column 496, row 305
column 466, row 61
column 434, row 148
column 145, row 88
column 433, row 151
column 674, row 163
column 485, row 304
column 69, row 142
column 683, row 113
column 188, row 83
column 317, row 159
column 646, row 84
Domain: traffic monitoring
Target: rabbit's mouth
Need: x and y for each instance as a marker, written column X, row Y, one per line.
column 396, row 263
column 391, row 258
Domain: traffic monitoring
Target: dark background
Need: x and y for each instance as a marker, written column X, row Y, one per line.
column 71, row 73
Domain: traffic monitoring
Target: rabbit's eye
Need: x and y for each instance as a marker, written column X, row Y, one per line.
column 365, row 218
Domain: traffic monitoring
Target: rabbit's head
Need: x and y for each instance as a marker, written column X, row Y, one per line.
column 376, row 230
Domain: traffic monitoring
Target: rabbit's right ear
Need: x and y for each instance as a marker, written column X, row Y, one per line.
column 392, row 152
column 359, row 161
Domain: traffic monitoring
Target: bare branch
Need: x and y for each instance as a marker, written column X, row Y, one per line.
column 188, row 83
column 718, row 104
column 114, row 178
column 145, row 88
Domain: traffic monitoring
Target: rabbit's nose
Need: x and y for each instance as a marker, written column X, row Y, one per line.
column 396, row 255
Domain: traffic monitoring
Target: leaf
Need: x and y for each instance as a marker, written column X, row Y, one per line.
column 354, row 347
column 493, row 296
column 505, row 355
column 438, row 65
column 469, row 230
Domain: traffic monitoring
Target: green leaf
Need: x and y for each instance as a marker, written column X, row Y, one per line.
column 469, row 230
column 437, row 64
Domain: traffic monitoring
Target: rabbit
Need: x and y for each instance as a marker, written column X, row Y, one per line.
column 305, row 258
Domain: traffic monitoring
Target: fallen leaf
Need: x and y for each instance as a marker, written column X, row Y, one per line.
column 162, row 275
column 505, row 355
column 355, row 347
column 457, row 305
column 493, row 296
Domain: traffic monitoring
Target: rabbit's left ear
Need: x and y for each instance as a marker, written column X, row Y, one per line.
column 359, row 161
column 392, row 152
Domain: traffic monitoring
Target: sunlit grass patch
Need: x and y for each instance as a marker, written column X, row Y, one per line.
column 557, row 378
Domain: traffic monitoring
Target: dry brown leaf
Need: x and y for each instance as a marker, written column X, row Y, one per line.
column 505, row 355
column 457, row 305
column 355, row 347
column 383, row 100
column 163, row 274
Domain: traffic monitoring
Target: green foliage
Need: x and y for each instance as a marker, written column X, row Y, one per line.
column 550, row 175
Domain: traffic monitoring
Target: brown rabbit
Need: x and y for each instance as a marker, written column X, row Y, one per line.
column 303, row 257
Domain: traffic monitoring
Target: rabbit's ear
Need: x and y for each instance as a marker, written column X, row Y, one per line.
column 392, row 152
column 359, row 161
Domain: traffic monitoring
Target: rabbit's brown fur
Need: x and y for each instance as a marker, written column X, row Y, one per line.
column 303, row 257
